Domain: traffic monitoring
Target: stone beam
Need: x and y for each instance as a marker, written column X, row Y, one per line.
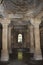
column 15, row 16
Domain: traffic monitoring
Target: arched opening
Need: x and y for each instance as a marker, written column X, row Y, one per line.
column 18, row 41
column 0, row 38
column 19, row 38
column 41, row 36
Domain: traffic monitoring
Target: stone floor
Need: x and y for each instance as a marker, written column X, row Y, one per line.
column 16, row 62
column 25, row 61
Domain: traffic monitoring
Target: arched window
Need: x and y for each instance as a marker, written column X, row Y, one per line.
column 19, row 38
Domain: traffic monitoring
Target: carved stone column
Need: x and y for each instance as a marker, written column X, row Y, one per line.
column 37, row 52
column 31, row 39
column 4, row 52
column 9, row 38
column 27, row 38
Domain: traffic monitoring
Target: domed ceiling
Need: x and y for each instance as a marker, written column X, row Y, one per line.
column 20, row 6
column 23, row 7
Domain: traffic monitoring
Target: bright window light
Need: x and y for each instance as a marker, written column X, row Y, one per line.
column 19, row 38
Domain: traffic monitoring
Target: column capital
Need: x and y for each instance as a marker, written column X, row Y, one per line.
column 6, row 21
column 35, row 21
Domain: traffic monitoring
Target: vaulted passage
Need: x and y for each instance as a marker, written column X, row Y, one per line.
column 21, row 32
column 19, row 40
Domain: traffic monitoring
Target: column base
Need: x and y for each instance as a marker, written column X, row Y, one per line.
column 4, row 55
column 38, row 57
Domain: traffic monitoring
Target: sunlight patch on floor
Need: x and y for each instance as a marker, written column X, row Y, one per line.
column 20, row 55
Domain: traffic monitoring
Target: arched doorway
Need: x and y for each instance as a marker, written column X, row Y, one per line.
column 0, row 38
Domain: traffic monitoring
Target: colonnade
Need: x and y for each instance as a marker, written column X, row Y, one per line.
column 36, row 50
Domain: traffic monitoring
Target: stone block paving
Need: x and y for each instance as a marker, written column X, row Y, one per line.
column 16, row 62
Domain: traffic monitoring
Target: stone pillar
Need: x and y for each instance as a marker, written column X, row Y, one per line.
column 31, row 39
column 28, row 40
column 4, row 52
column 25, row 37
column 9, row 38
column 37, row 54
column 37, row 51
column 4, row 55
